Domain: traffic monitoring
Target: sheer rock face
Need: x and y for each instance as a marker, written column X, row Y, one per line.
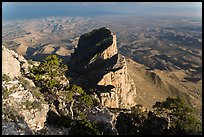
column 111, row 50
column 123, row 95
column 101, row 66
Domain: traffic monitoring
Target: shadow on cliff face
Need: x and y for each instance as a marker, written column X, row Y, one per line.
column 89, row 49
column 57, row 120
column 93, row 74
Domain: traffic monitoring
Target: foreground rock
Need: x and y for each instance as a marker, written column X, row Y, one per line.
column 27, row 111
column 23, row 106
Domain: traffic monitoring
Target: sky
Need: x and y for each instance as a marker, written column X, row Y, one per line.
column 23, row 10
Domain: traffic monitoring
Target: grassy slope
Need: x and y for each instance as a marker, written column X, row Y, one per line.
column 148, row 92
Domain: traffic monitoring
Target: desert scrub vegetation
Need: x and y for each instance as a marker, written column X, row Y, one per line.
column 83, row 126
column 52, row 66
column 45, row 74
column 47, row 77
column 7, row 91
column 9, row 113
column 80, row 95
column 24, row 82
column 31, row 105
column 182, row 115
column 35, row 91
column 6, row 78
column 79, row 103
column 171, row 117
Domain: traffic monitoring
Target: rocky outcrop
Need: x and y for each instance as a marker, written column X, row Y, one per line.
column 90, row 49
column 23, row 105
column 123, row 95
column 97, row 64
column 102, row 116
column 10, row 65
column 13, row 64
column 15, row 128
column 23, row 102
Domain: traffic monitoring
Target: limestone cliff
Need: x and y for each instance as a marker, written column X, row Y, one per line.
column 97, row 64
column 123, row 95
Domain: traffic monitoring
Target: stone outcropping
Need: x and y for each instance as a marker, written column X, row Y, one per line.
column 20, row 98
column 97, row 64
column 10, row 65
column 102, row 116
column 13, row 64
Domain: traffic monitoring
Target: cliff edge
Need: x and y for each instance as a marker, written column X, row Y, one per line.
column 96, row 64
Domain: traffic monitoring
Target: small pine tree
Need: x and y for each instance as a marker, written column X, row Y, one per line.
column 183, row 117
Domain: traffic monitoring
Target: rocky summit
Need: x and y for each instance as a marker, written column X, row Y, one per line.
column 97, row 64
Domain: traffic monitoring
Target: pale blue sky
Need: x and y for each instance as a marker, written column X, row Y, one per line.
column 44, row 9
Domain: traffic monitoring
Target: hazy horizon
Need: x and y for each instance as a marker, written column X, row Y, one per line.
column 29, row 10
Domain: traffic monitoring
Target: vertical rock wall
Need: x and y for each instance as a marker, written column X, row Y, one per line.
column 104, row 67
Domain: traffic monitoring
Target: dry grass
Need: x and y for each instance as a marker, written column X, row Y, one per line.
column 172, row 85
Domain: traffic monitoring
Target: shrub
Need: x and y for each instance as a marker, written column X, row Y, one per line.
column 6, row 92
column 83, row 98
column 87, row 127
column 67, row 87
column 36, row 93
column 24, row 82
column 77, row 89
column 32, row 105
column 46, row 73
column 68, row 95
column 52, row 83
column 183, row 117
column 38, row 77
column 171, row 117
column 130, row 123
column 86, row 99
column 9, row 112
column 6, row 78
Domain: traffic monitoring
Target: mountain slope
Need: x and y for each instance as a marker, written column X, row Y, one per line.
column 156, row 85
